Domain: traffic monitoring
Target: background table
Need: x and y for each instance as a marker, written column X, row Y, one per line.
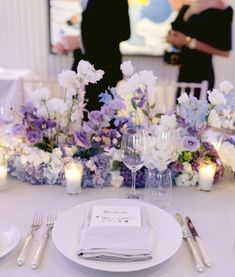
column 212, row 212
column 11, row 86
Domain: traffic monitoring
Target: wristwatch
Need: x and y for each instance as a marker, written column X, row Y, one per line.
column 191, row 42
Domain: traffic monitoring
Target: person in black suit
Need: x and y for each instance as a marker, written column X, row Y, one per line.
column 105, row 23
column 201, row 30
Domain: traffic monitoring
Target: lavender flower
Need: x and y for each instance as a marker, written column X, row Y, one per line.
column 190, row 143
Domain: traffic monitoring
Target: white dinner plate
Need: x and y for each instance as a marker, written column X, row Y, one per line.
column 9, row 237
column 166, row 230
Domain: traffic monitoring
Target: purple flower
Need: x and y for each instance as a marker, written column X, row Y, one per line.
column 51, row 124
column 82, row 139
column 18, row 129
column 190, row 144
column 34, row 136
column 96, row 117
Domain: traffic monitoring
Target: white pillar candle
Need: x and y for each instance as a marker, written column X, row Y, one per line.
column 73, row 176
column 206, row 176
column 3, row 177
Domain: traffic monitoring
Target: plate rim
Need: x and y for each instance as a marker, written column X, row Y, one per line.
column 17, row 234
column 80, row 261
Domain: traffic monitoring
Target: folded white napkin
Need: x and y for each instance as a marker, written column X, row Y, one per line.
column 115, row 243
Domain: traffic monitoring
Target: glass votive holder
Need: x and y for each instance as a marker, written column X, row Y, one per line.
column 3, row 175
column 206, row 174
column 73, row 177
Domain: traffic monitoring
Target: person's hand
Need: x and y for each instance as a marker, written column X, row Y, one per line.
column 177, row 39
column 70, row 43
column 58, row 48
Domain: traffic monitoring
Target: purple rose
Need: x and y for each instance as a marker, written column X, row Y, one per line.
column 82, row 139
column 190, row 144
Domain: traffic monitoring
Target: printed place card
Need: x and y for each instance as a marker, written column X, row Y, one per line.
column 115, row 216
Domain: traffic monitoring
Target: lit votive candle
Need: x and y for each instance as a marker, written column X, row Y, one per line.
column 3, row 177
column 206, row 176
column 73, row 176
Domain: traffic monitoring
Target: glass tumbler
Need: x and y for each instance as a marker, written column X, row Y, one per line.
column 158, row 188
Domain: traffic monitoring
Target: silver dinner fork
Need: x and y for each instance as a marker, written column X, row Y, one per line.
column 51, row 219
column 37, row 221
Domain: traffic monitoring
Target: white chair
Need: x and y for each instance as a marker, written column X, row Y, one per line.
column 54, row 87
column 191, row 87
column 167, row 92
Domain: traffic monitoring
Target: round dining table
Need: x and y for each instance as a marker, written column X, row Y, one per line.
column 213, row 214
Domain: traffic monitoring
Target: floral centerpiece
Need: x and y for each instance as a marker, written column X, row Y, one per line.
column 53, row 132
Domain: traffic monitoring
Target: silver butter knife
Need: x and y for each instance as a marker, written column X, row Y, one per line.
column 199, row 264
column 206, row 258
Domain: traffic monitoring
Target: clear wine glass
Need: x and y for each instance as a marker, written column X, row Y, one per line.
column 132, row 153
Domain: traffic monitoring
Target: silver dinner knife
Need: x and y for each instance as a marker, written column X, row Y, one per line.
column 206, row 258
column 199, row 264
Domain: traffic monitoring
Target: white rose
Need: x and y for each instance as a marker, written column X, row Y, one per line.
column 127, row 68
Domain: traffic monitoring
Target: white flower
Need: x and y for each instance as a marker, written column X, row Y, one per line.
column 127, row 68
column 117, row 179
column 56, row 105
column 57, row 153
column 226, row 86
column 216, row 97
column 184, row 98
column 70, row 150
column 87, row 73
column 187, row 179
column 67, row 79
column 214, row 119
column 147, row 77
column 39, row 95
column 91, row 165
column 227, row 154
column 168, row 121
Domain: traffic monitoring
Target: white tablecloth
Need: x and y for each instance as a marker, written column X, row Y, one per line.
column 212, row 212
column 11, row 86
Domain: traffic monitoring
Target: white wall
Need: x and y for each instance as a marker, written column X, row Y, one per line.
column 24, row 44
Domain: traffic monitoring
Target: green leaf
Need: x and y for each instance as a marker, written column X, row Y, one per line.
column 158, row 115
column 116, row 165
column 145, row 112
column 133, row 103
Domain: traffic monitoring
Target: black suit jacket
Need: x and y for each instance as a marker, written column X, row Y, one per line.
column 105, row 23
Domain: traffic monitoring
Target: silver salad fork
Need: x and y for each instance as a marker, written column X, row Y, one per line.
column 37, row 221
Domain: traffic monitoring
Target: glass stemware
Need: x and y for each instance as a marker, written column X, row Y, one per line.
column 132, row 153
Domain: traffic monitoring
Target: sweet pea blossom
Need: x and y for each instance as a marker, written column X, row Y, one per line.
column 127, row 68
column 214, row 119
column 225, row 86
column 184, row 98
column 39, row 95
column 67, row 78
column 216, row 97
column 87, row 73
